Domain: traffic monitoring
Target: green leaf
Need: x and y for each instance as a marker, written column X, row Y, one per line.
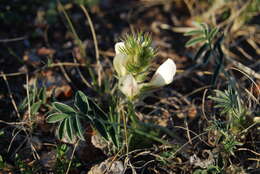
column 1, row 133
column 79, row 129
column 205, row 29
column 63, row 108
column 68, row 130
column 213, row 33
column 34, row 93
column 24, row 103
column 97, row 111
column 218, row 42
column 194, row 32
column 71, row 126
column 61, row 129
column 207, row 57
column 2, row 163
column 218, row 67
column 56, row 117
column 113, row 135
column 42, row 95
column 217, row 99
column 35, row 107
column 195, row 41
column 201, row 50
column 81, row 102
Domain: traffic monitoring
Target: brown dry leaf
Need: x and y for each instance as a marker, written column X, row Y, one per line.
column 192, row 112
column 55, row 81
column 64, row 91
column 43, row 51
column 256, row 89
column 108, row 167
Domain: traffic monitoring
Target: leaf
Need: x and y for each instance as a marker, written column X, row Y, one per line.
column 220, row 58
column 97, row 111
column 193, row 32
column 81, row 102
column 218, row 42
column 207, row 56
column 35, row 107
column 56, row 117
column 216, row 99
column 205, row 29
column 79, row 129
column 71, row 126
column 24, row 103
column 218, row 69
column 113, row 135
column 61, row 129
column 34, row 92
column 63, row 108
column 67, row 130
column 213, row 33
column 201, row 50
column 42, row 95
column 195, row 41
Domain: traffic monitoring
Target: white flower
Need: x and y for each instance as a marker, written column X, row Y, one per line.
column 120, row 60
column 129, row 86
column 132, row 80
column 164, row 74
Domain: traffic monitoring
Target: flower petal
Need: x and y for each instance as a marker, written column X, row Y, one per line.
column 128, row 86
column 118, row 46
column 120, row 60
column 164, row 74
column 119, row 63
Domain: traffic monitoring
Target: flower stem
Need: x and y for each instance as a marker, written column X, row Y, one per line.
column 131, row 113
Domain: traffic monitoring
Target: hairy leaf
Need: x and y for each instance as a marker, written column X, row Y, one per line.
column 56, row 117
column 78, row 127
column 61, row 129
column 35, row 107
column 81, row 102
column 63, row 108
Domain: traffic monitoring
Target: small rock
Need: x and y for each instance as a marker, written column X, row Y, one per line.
column 108, row 167
column 98, row 141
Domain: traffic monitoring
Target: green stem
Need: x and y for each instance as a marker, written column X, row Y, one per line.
column 132, row 114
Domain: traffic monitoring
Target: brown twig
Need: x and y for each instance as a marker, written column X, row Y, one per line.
column 99, row 66
column 10, row 95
